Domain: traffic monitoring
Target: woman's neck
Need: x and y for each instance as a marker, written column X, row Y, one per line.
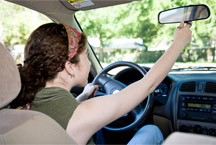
column 62, row 80
column 58, row 83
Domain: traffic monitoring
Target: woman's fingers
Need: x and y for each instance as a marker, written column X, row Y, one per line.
column 183, row 33
column 182, row 24
column 189, row 24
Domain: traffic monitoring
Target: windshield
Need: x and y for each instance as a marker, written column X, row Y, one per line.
column 131, row 32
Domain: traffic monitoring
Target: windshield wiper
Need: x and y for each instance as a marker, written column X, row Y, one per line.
column 195, row 68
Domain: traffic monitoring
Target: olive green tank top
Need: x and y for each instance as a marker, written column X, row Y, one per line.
column 57, row 103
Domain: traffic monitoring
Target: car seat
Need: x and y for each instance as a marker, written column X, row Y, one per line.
column 23, row 126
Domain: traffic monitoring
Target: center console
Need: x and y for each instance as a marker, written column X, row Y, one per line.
column 197, row 114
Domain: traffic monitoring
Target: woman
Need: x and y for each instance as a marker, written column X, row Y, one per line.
column 56, row 59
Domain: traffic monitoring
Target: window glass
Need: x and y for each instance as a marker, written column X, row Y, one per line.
column 131, row 32
column 16, row 24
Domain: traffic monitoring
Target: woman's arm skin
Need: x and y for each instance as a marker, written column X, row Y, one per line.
column 93, row 114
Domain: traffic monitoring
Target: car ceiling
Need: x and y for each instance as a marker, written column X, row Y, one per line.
column 55, row 9
column 97, row 4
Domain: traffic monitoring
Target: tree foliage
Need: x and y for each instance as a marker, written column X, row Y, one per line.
column 18, row 22
column 139, row 20
column 133, row 20
column 204, row 33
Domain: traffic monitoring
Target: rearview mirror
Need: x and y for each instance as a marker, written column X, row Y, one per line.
column 186, row 13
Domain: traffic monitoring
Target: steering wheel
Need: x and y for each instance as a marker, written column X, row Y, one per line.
column 135, row 117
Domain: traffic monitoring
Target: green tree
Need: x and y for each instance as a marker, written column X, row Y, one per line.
column 18, row 22
column 129, row 20
column 204, row 31
column 137, row 21
column 97, row 24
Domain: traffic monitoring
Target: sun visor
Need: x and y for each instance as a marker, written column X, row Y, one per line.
column 76, row 5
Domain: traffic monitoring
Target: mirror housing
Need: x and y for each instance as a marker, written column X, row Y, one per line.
column 185, row 13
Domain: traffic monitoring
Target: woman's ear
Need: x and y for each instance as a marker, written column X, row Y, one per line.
column 70, row 68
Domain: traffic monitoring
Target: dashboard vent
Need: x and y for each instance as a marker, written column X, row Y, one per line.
column 210, row 87
column 188, row 87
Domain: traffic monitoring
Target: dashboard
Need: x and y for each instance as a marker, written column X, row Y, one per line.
column 161, row 93
column 186, row 99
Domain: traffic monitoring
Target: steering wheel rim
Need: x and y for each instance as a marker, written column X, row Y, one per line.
column 111, row 86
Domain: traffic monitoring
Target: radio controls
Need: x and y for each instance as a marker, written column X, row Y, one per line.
column 199, row 108
column 183, row 98
column 211, row 99
column 205, row 99
column 205, row 129
column 211, row 132
column 183, row 128
column 183, row 104
column 183, row 114
column 213, row 115
column 197, row 129
column 198, row 98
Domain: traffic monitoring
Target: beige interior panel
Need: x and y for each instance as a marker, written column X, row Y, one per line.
column 179, row 138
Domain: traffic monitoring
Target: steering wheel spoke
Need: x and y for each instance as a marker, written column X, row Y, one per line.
column 113, row 86
column 136, row 112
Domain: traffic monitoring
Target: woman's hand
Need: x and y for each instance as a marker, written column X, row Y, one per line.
column 183, row 33
column 88, row 90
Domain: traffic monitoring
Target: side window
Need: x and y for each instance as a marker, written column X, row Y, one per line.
column 16, row 24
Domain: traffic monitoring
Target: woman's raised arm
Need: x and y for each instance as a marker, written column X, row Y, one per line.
column 93, row 114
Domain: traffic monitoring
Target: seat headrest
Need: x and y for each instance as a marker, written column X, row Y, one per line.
column 10, row 83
